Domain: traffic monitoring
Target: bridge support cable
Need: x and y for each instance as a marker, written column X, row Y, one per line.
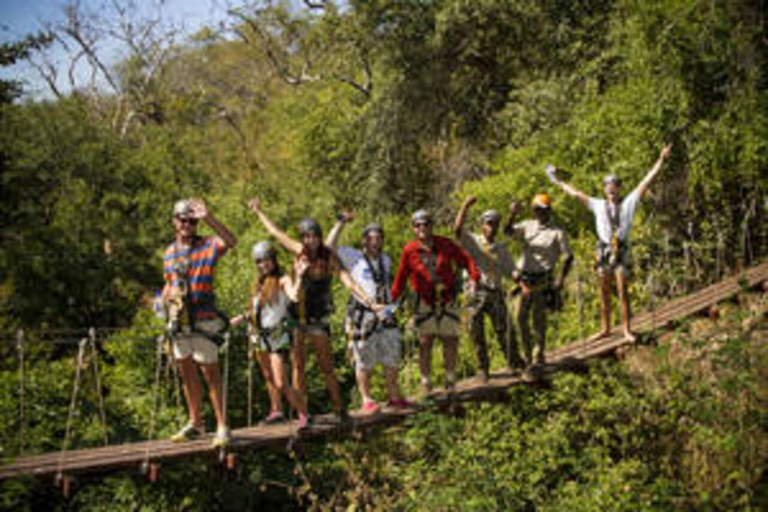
column 99, row 389
column 160, row 341
column 249, row 350
column 79, row 360
column 20, row 346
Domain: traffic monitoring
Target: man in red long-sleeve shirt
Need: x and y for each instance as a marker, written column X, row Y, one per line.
column 431, row 262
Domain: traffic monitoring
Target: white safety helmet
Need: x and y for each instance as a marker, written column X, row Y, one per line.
column 421, row 216
column 262, row 250
column 182, row 208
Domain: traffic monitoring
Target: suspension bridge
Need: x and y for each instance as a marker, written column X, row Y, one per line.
column 148, row 455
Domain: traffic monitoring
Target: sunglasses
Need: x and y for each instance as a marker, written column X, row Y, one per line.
column 187, row 220
column 419, row 225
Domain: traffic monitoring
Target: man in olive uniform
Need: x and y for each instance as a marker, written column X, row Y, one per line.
column 495, row 264
column 543, row 244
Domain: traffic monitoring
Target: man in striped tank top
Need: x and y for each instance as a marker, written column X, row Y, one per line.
column 189, row 266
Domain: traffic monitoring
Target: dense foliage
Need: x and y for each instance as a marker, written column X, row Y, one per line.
column 383, row 107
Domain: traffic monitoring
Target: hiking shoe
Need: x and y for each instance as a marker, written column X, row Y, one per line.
column 274, row 417
column 370, row 407
column 221, row 438
column 399, row 403
column 188, row 432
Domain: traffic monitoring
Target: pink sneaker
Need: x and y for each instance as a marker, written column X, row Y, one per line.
column 399, row 403
column 370, row 407
column 303, row 421
column 274, row 417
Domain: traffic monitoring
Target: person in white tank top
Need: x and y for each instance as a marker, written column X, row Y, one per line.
column 271, row 328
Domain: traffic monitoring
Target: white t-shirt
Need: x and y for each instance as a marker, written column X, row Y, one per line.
column 627, row 210
column 355, row 263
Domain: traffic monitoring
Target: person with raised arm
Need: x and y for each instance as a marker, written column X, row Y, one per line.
column 495, row 265
column 317, row 265
column 374, row 337
column 189, row 266
column 544, row 243
column 613, row 223
column 430, row 262
column 271, row 330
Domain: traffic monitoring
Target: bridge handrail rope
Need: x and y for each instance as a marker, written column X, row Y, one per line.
column 99, row 390
column 22, row 389
column 580, row 300
column 75, row 388
column 155, row 396
column 225, row 384
column 250, row 353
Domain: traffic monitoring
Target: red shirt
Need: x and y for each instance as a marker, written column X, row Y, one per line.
column 445, row 255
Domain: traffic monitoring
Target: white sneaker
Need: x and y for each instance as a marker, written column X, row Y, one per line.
column 221, row 438
column 188, row 432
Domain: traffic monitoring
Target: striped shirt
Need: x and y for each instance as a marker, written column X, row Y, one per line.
column 202, row 257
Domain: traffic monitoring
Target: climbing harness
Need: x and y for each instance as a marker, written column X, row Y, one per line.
column 613, row 253
column 180, row 315
column 438, row 309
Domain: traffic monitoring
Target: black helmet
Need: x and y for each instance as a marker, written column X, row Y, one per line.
column 310, row 226
column 490, row 216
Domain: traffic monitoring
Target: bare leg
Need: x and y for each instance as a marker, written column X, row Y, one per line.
column 280, row 383
column 605, row 305
column 450, row 346
column 425, row 360
column 393, row 387
column 299, row 356
column 193, row 392
column 275, row 401
column 364, row 383
column 322, row 348
column 213, row 378
column 621, row 285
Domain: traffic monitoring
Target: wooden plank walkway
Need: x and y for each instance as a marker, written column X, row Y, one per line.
column 258, row 437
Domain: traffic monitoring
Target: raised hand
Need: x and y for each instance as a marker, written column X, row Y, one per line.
column 515, row 207
column 665, row 151
column 470, row 201
column 551, row 171
column 254, row 205
column 300, row 266
column 198, row 208
column 347, row 216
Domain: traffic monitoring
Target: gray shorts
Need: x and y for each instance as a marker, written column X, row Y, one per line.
column 382, row 346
